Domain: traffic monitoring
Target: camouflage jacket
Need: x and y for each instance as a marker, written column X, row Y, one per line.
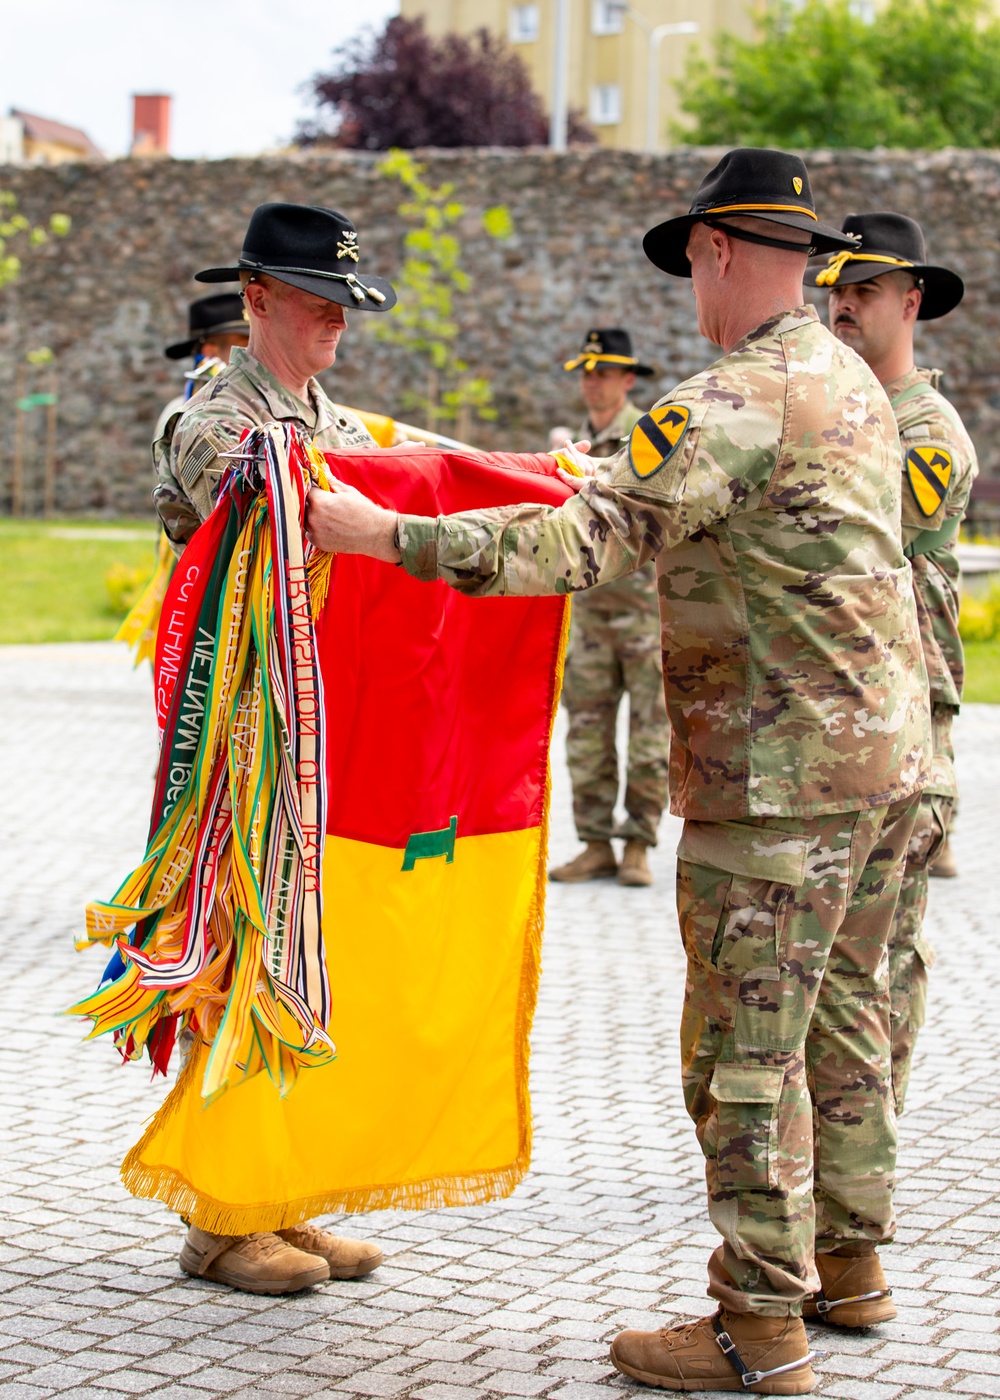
column 635, row 593
column 245, row 395
column 939, row 467
column 767, row 487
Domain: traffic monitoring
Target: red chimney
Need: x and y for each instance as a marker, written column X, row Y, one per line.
column 150, row 124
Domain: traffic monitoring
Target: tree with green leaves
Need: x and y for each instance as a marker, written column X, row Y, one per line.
column 423, row 322
column 18, row 234
column 920, row 74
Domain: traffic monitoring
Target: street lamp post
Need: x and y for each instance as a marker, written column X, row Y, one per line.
column 560, row 79
column 654, row 38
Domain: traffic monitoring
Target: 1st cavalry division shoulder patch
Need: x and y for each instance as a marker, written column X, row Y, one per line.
column 655, row 437
column 928, row 470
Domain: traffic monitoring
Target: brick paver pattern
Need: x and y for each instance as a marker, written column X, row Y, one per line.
column 515, row 1299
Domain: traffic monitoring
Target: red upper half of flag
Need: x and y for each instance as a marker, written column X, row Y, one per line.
column 438, row 705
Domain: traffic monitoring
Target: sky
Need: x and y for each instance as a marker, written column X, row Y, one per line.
column 234, row 67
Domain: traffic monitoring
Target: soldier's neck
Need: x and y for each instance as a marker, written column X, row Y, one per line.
column 896, row 362
column 600, row 420
column 288, row 375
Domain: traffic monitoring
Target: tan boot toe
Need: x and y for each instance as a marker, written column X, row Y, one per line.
column 730, row 1351
column 258, row 1263
column 635, row 866
column 345, row 1258
column 595, row 862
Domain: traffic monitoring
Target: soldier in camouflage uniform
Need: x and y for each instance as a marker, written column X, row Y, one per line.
column 767, row 489
column 295, row 286
column 614, row 648
column 276, row 383
column 876, row 297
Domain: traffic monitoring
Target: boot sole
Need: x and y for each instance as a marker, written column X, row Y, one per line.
column 608, row 874
column 791, row 1383
column 366, row 1266
column 856, row 1318
column 272, row 1287
column 635, row 881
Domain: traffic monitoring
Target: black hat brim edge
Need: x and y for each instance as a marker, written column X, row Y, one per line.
column 666, row 245
column 338, row 292
column 183, row 348
column 943, row 289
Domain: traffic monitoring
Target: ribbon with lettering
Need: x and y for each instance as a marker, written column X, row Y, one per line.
column 219, row 929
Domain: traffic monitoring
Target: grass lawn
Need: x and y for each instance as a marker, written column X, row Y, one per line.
column 52, row 585
column 982, row 673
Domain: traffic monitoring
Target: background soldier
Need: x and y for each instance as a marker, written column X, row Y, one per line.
column 767, row 487
column 614, row 648
column 216, row 326
column 877, row 295
column 298, row 270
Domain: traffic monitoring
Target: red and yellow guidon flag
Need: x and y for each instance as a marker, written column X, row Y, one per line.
column 438, row 712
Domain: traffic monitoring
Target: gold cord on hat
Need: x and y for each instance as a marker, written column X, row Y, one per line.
column 589, row 361
column 839, row 261
column 756, row 208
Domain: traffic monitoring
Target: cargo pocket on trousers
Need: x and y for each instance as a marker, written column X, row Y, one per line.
column 747, row 1099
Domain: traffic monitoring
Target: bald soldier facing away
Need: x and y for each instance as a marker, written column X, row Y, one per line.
column 767, row 489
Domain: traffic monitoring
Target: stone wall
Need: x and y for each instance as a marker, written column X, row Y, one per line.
column 109, row 297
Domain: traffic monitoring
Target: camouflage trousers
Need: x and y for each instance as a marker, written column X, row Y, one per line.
column 911, row 956
column 785, row 1039
column 614, row 648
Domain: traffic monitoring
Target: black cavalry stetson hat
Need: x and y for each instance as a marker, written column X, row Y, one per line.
column 891, row 243
column 310, row 248
column 754, row 181
column 608, row 347
column 221, row 314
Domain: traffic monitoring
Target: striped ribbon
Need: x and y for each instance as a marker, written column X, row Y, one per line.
column 219, row 929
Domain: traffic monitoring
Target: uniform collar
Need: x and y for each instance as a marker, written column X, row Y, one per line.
column 776, row 325
column 911, row 377
column 317, row 414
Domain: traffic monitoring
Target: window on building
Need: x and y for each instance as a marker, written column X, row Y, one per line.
column 607, row 16
column 606, row 104
column 524, row 21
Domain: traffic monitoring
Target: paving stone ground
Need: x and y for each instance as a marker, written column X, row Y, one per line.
column 514, row 1299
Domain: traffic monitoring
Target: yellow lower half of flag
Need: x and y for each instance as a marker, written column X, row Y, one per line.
column 434, row 974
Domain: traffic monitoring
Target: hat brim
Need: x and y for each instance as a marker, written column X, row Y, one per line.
column 666, row 245
column 183, row 348
column 634, row 368
column 325, row 287
column 943, row 289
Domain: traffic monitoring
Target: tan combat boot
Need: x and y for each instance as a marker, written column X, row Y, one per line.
column 944, row 866
column 730, row 1351
column 259, row 1263
column 854, row 1292
column 595, row 862
column 634, row 867
column 345, row 1258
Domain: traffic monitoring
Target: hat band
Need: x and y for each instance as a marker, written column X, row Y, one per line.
column 838, row 262
column 357, row 288
column 755, row 208
column 589, row 361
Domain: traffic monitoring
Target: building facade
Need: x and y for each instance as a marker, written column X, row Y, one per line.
column 613, row 50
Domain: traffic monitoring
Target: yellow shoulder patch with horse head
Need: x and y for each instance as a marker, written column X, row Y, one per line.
column 928, row 470
column 656, row 436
